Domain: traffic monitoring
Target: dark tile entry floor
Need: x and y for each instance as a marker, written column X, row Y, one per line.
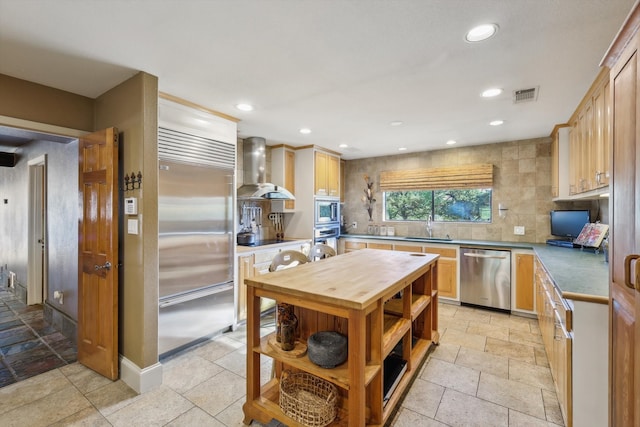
column 28, row 344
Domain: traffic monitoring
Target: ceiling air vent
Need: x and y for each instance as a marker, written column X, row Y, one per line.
column 525, row 95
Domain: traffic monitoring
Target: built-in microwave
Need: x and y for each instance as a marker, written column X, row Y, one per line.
column 327, row 211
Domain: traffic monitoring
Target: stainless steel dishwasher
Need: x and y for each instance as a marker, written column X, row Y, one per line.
column 485, row 277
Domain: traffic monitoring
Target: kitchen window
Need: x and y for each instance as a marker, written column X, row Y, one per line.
column 468, row 205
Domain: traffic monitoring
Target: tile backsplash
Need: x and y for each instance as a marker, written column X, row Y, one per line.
column 522, row 183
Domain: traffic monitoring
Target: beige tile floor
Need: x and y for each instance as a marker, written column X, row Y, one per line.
column 489, row 370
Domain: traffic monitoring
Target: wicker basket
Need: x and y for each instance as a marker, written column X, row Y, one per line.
column 307, row 399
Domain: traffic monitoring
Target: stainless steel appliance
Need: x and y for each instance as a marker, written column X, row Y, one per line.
column 254, row 186
column 327, row 234
column 196, row 238
column 485, row 277
column 327, row 211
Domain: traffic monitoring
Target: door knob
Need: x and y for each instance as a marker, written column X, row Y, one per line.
column 106, row 266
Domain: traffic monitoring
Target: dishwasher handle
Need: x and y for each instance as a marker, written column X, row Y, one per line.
column 472, row 255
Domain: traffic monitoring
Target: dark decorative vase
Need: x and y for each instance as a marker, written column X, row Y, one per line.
column 286, row 324
column 288, row 334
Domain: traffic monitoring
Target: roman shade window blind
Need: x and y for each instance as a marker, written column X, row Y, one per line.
column 451, row 178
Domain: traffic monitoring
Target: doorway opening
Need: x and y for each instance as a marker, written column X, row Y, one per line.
column 37, row 238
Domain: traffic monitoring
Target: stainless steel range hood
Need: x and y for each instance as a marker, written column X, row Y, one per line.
column 255, row 186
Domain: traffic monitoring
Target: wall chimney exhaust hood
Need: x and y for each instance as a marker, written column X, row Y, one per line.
column 254, row 162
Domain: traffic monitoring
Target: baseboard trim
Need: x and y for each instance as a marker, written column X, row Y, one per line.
column 141, row 380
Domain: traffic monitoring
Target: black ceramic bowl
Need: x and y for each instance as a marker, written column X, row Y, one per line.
column 327, row 349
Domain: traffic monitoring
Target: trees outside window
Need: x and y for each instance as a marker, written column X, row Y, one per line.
column 473, row 205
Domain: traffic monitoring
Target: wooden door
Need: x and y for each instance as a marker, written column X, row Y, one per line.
column 98, row 252
column 624, row 289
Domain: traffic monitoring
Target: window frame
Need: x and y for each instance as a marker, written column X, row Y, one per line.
column 432, row 207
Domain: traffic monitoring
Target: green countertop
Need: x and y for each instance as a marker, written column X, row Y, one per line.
column 574, row 271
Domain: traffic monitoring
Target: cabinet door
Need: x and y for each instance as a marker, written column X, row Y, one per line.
column 574, row 158
column 447, row 278
column 624, row 289
column 333, row 175
column 245, row 270
column 524, row 282
column 587, row 170
column 555, row 165
column 321, row 165
column 290, row 177
column 342, row 179
column 562, row 346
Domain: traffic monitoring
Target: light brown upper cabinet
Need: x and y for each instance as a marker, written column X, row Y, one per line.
column 327, row 174
column 589, row 140
column 283, row 170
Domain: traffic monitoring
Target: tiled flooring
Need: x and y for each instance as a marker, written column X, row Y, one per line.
column 489, row 370
column 28, row 344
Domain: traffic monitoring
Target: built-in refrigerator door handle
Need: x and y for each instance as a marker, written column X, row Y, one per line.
column 197, row 294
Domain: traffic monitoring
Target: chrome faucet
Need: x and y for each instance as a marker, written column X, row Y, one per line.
column 429, row 226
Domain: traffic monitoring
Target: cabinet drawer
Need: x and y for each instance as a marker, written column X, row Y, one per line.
column 443, row 252
column 354, row 245
column 563, row 309
column 265, row 256
column 407, row 248
column 388, row 246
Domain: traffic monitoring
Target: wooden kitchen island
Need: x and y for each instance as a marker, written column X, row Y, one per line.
column 382, row 300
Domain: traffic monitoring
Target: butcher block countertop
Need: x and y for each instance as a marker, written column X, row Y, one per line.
column 352, row 280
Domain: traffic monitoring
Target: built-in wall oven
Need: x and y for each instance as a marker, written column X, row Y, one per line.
column 327, row 222
column 327, row 234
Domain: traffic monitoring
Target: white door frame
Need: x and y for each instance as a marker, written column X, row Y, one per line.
column 38, row 249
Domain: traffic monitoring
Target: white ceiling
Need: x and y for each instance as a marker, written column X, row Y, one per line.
column 344, row 68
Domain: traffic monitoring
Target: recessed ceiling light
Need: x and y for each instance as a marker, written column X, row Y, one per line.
column 244, row 107
column 396, row 123
column 402, row 149
column 451, row 142
column 496, row 122
column 481, row 32
column 491, row 92
column 343, row 146
column 305, row 131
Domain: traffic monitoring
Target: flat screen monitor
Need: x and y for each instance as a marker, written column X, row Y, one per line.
column 568, row 224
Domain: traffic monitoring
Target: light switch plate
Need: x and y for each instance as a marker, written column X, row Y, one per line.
column 132, row 226
column 518, row 230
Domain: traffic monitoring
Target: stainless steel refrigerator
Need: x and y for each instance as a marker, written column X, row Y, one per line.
column 196, row 239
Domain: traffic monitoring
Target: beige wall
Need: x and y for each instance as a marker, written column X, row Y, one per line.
column 522, row 182
column 42, row 104
column 132, row 107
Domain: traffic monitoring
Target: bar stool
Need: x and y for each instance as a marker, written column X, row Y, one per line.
column 321, row 251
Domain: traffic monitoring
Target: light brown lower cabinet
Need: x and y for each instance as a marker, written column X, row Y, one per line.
column 447, row 263
column 554, row 318
column 251, row 264
column 524, row 282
